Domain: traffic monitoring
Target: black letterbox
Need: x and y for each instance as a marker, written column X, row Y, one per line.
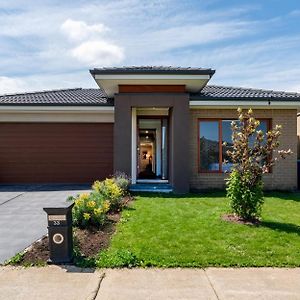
column 60, row 234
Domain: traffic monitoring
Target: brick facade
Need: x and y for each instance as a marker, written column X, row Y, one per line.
column 284, row 174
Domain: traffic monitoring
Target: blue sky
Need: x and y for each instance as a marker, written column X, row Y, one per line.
column 51, row 44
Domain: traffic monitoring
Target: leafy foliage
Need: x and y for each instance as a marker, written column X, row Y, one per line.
column 122, row 180
column 246, row 201
column 250, row 161
column 110, row 191
column 118, row 259
column 15, row 260
column 90, row 210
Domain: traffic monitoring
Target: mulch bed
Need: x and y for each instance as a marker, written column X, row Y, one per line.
column 89, row 241
column 235, row 219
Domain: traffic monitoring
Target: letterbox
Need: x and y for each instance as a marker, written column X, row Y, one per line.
column 60, row 234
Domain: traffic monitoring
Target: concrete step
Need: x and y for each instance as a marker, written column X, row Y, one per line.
column 151, row 187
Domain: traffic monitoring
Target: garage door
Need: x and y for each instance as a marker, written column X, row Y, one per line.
column 55, row 152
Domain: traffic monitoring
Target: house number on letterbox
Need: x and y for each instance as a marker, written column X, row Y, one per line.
column 56, row 219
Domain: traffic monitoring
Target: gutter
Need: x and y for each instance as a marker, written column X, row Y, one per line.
column 238, row 103
column 41, row 109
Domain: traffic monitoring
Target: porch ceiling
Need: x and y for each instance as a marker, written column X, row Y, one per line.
column 110, row 83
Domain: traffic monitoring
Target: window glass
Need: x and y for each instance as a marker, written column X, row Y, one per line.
column 226, row 137
column 209, row 145
column 210, row 142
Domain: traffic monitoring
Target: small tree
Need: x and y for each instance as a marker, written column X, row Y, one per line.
column 251, row 155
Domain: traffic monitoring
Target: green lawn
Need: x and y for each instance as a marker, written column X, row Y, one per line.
column 187, row 231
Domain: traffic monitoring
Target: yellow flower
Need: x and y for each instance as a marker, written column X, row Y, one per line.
column 98, row 211
column 84, row 196
column 96, row 186
column 91, row 204
column 86, row 216
column 106, row 205
column 79, row 202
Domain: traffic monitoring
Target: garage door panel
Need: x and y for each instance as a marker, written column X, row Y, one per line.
column 68, row 155
column 58, row 153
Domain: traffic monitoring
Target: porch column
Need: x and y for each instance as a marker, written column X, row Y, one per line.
column 133, row 145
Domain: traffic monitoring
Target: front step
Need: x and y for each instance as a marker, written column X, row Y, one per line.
column 151, row 187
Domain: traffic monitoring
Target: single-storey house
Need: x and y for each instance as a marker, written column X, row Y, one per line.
column 163, row 126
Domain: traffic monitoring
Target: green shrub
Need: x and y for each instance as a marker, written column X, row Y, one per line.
column 90, row 210
column 15, row 260
column 110, row 191
column 117, row 259
column 252, row 155
column 122, row 181
column 246, row 201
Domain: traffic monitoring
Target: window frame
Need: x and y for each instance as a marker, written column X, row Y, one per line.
column 219, row 120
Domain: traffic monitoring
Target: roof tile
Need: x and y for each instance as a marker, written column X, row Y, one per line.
column 213, row 92
column 76, row 96
column 152, row 70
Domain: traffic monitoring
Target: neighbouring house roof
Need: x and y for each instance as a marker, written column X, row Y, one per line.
column 213, row 92
column 77, row 96
column 153, row 70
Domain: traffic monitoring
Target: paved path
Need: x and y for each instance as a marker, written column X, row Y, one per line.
column 72, row 283
column 22, row 219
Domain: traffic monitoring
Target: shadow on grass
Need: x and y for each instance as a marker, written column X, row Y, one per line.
column 206, row 194
column 283, row 227
column 128, row 208
column 284, row 195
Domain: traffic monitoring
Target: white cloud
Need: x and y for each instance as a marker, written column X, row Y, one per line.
column 98, row 53
column 11, row 85
column 79, row 30
column 40, row 82
column 45, row 43
column 90, row 47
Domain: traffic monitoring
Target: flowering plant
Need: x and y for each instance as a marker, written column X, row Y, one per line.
column 252, row 155
column 110, row 191
column 89, row 210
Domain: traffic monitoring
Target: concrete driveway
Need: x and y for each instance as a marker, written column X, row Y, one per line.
column 22, row 219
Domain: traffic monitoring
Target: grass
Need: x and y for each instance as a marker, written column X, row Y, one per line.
column 187, row 231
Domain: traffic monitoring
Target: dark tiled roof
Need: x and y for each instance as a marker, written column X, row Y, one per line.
column 213, row 92
column 76, row 96
column 85, row 97
column 152, row 70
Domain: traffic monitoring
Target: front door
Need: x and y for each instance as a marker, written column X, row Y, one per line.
column 152, row 150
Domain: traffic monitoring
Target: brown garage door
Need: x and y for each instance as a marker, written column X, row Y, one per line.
column 55, row 152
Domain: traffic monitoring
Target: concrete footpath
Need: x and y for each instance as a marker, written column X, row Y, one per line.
column 56, row 282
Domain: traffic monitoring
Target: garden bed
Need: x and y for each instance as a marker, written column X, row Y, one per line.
column 88, row 243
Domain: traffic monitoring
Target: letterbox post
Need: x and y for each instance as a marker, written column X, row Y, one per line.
column 60, row 234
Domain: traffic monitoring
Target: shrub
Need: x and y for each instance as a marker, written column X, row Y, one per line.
column 245, row 201
column 89, row 210
column 110, row 191
column 122, row 181
column 250, row 161
column 117, row 259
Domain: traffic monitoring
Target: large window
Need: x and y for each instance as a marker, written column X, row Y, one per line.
column 212, row 135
